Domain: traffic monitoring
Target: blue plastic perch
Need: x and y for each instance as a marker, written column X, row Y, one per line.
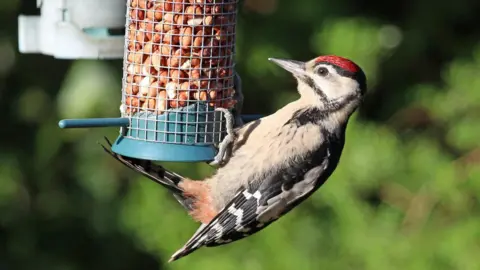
column 120, row 122
column 93, row 122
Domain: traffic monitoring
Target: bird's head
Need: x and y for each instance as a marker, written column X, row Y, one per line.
column 328, row 80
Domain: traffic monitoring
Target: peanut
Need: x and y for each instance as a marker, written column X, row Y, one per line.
column 163, row 27
column 202, row 84
column 187, row 86
column 148, row 30
column 195, row 74
column 197, row 42
column 161, row 102
column 179, row 20
column 148, row 48
column 172, row 37
column 134, row 69
column 193, row 12
column 138, row 58
column 132, row 89
column 163, row 78
column 144, row 85
column 186, row 39
column 167, row 5
column 212, row 94
column 129, row 78
column 195, row 62
column 134, row 46
column 157, row 38
column 143, row 4
column 222, row 73
column 221, row 35
column 181, row 102
column 137, row 15
column 171, row 89
column 154, row 14
column 177, row 6
column 157, row 60
column 195, row 22
column 169, row 17
column 132, row 101
column 200, row 95
column 154, row 89
column 178, row 75
column 144, row 105
column 165, row 50
column 178, row 58
column 217, row 9
column 148, row 68
column 186, row 65
column 151, row 104
column 137, row 79
column 208, row 20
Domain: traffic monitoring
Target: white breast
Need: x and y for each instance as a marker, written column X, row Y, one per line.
column 265, row 146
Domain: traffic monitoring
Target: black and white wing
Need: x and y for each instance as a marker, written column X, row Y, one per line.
column 256, row 206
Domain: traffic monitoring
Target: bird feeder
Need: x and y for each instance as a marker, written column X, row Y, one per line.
column 178, row 79
column 178, row 68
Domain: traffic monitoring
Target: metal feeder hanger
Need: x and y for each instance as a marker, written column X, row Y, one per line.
column 178, row 68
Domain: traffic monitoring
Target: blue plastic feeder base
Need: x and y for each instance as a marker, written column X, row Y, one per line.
column 163, row 151
column 182, row 135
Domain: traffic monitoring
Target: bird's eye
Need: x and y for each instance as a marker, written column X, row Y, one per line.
column 322, row 71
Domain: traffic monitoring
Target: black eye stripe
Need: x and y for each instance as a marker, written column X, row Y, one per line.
column 311, row 83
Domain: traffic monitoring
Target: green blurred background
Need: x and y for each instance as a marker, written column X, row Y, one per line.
column 405, row 195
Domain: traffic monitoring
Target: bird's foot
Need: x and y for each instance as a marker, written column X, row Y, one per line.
column 224, row 148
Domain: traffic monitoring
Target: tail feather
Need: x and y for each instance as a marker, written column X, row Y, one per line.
column 157, row 173
column 190, row 246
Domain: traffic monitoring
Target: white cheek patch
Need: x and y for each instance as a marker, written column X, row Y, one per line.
column 335, row 86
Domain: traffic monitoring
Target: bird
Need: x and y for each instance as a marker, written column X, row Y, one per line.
column 276, row 162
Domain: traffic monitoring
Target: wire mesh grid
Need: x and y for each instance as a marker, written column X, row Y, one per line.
column 178, row 67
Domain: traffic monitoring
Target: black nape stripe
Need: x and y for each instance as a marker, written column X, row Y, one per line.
column 311, row 115
column 314, row 115
column 336, row 105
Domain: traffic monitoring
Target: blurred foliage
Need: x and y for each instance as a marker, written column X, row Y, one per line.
column 405, row 196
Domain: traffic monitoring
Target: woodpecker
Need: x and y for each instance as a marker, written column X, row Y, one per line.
column 276, row 162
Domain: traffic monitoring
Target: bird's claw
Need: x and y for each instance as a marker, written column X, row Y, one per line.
column 233, row 119
column 225, row 147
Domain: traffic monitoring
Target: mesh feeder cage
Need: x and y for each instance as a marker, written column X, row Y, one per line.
column 178, row 69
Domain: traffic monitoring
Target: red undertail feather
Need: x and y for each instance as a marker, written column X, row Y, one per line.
column 199, row 191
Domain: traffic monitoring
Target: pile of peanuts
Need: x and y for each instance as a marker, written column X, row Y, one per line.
column 179, row 52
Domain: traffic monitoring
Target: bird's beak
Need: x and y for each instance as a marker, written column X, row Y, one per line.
column 297, row 68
